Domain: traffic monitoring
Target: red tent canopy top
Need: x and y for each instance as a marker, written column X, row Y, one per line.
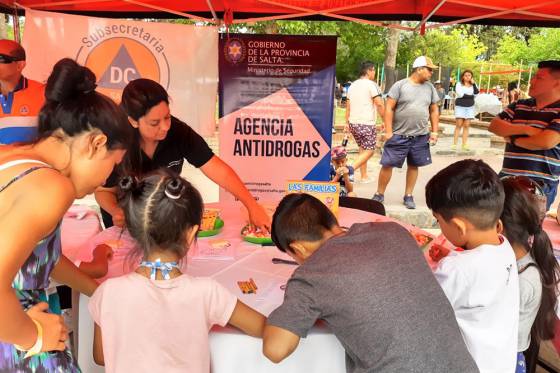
column 545, row 13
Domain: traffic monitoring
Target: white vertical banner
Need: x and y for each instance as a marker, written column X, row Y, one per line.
column 182, row 58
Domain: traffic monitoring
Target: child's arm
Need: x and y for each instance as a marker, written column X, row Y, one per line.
column 98, row 346
column 347, row 183
column 99, row 266
column 247, row 320
column 67, row 273
column 278, row 343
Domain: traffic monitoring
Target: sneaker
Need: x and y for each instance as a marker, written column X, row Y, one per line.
column 453, row 147
column 378, row 197
column 367, row 180
column 466, row 148
column 409, row 202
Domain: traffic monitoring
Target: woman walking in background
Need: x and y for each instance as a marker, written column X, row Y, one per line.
column 465, row 89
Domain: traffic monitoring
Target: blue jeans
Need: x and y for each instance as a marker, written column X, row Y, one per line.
column 549, row 188
column 520, row 367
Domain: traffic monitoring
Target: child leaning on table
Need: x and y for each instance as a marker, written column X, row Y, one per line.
column 157, row 319
column 342, row 173
column 480, row 282
column 372, row 287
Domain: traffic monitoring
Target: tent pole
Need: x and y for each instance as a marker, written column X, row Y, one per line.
column 495, row 14
column 214, row 16
column 489, row 75
column 529, row 83
column 519, row 76
column 439, row 72
column 480, row 76
column 407, row 69
column 182, row 14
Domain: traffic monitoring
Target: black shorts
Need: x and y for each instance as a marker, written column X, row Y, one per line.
column 415, row 149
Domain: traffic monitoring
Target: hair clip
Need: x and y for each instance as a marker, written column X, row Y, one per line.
column 172, row 196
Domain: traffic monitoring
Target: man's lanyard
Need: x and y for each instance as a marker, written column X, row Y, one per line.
column 7, row 102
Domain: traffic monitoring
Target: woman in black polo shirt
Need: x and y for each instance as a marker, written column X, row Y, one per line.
column 162, row 140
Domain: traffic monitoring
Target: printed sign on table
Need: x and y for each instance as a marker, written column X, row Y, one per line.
column 326, row 192
column 276, row 109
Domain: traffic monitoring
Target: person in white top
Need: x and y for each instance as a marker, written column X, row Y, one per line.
column 466, row 90
column 480, row 282
column 539, row 272
column 362, row 106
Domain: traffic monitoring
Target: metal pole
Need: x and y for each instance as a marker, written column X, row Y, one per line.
column 489, row 76
column 519, row 76
column 439, row 74
column 529, row 83
column 407, row 69
column 480, row 77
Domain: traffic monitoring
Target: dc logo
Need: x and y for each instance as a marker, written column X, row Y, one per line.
column 24, row 110
column 234, row 51
column 119, row 60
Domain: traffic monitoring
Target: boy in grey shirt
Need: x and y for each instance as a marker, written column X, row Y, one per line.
column 372, row 287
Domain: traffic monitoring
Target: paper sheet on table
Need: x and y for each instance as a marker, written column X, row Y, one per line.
column 214, row 249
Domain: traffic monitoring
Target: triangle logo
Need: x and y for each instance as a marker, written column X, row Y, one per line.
column 120, row 71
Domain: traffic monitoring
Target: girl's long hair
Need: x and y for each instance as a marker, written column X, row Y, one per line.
column 521, row 219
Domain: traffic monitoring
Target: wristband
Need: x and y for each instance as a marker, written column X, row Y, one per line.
column 434, row 134
column 38, row 346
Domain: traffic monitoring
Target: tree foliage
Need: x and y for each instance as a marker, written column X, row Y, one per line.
column 541, row 45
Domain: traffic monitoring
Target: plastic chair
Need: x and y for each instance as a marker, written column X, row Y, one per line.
column 363, row 204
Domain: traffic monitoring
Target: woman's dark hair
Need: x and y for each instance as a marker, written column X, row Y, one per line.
column 138, row 98
column 470, row 189
column 521, row 219
column 463, row 75
column 300, row 217
column 73, row 106
column 159, row 209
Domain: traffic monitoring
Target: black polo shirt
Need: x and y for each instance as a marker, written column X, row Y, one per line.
column 181, row 143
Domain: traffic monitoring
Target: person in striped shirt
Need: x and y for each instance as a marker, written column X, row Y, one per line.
column 21, row 98
column 531, row 128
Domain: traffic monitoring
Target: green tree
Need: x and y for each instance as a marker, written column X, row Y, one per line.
column 541, row 45
column 448, row 47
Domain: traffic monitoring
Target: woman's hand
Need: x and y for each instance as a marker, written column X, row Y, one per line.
column 259, row 217
column 55, row 332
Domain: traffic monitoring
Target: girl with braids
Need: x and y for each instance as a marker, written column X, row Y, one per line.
column 157, row 319
column 81, row 137
column 538, row 269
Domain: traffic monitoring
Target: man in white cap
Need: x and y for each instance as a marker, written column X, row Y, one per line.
column 410, row 109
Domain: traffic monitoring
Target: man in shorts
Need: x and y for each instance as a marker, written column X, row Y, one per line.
column 363, row 103
column 411, row 107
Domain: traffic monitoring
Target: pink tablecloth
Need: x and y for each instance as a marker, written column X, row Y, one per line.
column 79, row 225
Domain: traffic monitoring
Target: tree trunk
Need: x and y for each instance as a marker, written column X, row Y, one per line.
column 391, row 57
column 271, row 28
